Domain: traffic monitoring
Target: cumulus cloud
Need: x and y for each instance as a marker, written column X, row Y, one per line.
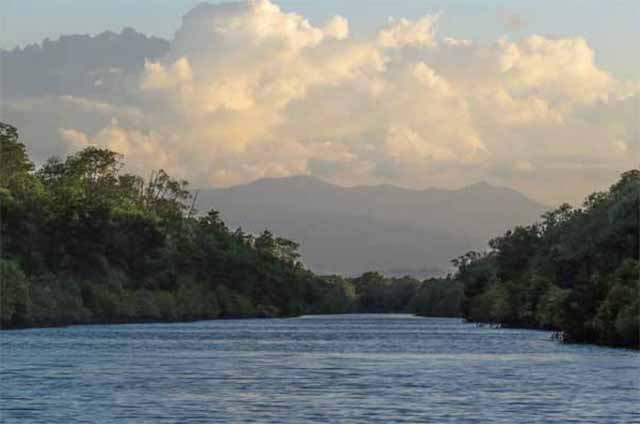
column 510, row 20
column 248, row 90
column 77, row 139
column 403, row 32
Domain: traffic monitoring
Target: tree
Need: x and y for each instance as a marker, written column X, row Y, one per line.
column 266, row 243
column 14, row 159
column 514, row 250
column 574, row 272
column 287, row 250
column 166, row 196
column 15, row 298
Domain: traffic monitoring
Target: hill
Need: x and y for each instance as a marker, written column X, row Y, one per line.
column 350, row 230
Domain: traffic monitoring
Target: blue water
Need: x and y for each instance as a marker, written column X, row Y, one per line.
column 348, row 369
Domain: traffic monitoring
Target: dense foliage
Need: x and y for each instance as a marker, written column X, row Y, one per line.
column 576, row 271
column 432, row 297
column 84, row 242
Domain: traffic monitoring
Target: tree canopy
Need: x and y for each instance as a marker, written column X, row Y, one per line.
column 576, row 271
column 85, row 242
column 82, row 241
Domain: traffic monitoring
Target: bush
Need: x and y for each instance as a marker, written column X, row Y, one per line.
column 627, row 324
column 233, row 304
column 618, row 317
column 58, row 302
column 438, row 298
column 551, row 306
column 107, row 304
column 166, row 304
column 15, row 298
column 146, row 308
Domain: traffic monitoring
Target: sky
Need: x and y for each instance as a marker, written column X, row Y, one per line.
column 610, row 26
column 537, row 95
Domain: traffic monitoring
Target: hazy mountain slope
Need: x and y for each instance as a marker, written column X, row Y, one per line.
column 350, row 230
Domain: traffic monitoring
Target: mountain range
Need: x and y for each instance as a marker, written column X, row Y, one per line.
column 350, row 230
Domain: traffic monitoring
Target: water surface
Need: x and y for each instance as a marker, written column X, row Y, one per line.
column 348, row 368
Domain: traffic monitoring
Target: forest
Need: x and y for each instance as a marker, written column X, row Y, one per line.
column 84, row 242
column 576, row 271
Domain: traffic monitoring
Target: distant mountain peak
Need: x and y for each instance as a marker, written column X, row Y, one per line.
column 348, row 230
column 311, row 184
column 486, row 187
column 302, row 178
column 480, row 184
column 299, row 180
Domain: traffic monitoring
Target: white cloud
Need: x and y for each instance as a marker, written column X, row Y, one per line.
column 77, row 139
column 337, row 27
column 249, row 90
column 403, row 32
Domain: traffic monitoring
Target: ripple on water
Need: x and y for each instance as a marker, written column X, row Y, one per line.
column 354, row 368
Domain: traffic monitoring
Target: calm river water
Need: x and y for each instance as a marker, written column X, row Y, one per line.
column 346, row 369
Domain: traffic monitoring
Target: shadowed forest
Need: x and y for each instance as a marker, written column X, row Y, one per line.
column 84, row 242
column 575, row 271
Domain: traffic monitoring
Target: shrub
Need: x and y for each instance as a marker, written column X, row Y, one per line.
column 15, row 297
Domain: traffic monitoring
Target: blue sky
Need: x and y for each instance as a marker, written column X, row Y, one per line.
column 611, row 27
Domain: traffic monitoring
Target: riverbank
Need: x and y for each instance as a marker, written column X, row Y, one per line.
column 85, row 242
column 576, row 271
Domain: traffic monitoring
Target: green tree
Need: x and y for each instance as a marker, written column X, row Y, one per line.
column 15, row 298
column 575, row 272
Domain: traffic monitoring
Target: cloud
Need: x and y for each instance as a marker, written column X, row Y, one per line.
column 248, row 90
column 77, row 139
column 403, row 32
column 510, row 20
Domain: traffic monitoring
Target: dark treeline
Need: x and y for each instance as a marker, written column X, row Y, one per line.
column 83, row 242
column 440, row 297
column 576, row 271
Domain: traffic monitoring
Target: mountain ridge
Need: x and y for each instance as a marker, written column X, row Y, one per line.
column 482, row 184
column 348, row 230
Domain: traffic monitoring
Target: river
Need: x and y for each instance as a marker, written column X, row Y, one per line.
column 346, row 368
